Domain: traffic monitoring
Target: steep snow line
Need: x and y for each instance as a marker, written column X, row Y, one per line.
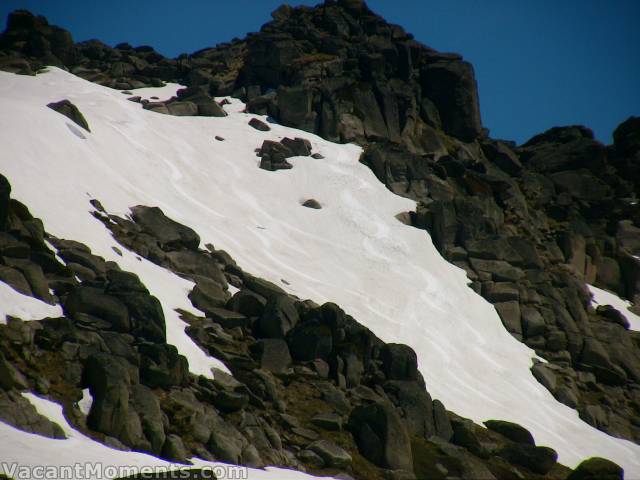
column 353, row 251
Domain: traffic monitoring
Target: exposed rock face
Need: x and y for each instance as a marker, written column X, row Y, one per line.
column 371, row 81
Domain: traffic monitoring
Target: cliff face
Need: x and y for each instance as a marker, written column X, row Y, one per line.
column 343, row 72
column 532, row 225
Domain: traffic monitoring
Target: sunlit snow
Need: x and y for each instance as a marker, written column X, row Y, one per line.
column 603, row 297
column 21, row 306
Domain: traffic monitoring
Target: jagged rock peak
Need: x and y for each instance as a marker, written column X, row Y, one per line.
column 343, row 72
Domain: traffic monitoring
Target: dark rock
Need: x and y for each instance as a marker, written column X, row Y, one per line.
column 310, row 458
column 328, row 421
column 10, row 376
column 399, row 362
column 533, row 323
column 306, row 433
column 170, row 234
column 162, row 366
column 562, row 149
column 227, row 443
column 19, row 412
column 5, row 191
column 92, row 301
column 228, row 318
column 613, row 315
column 196, row 264
column 262, row 287
column 157, row 107
column 259, row 125
column 295, row 107
column 300, row 147
column 15, row 279
column 108, row 378
column 121, row 282
column 441, row 422
column 381, row 436
column 182, row 109
column 471, row 466
column 174, row 449
column 465, row 436
column 414, row 401
column 510, row 315
column 147, row 316
column 537, row 459
column 310, row 341
column 10, row 247
column 597, row 468
column 279, row 317
column 151, row 416
column 69, row 110
column 545, row 375
column 207, row 295
column 247, row 303
column 272, row 354
column 452, row 88
column 229, row 401
column 312, row 203
column 628, row 237
column 208, row 107
column 503, row 157
column 626, row 137
column 332, row 455
column 500, row 292
column 512, row 431
column 273, row 156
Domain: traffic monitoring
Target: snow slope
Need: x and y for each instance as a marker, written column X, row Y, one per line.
column 603, row 297
column 352, row 252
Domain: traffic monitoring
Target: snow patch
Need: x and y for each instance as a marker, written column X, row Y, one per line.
column 86, row 402
column 603, row 297
column 15, row 304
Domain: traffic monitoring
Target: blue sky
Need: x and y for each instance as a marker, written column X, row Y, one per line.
column 538, row 63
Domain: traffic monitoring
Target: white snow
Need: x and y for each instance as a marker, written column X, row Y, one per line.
column 85, row 403
column 352, row 252
column 603, row 297
column 23, row 450
column 24, row 307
